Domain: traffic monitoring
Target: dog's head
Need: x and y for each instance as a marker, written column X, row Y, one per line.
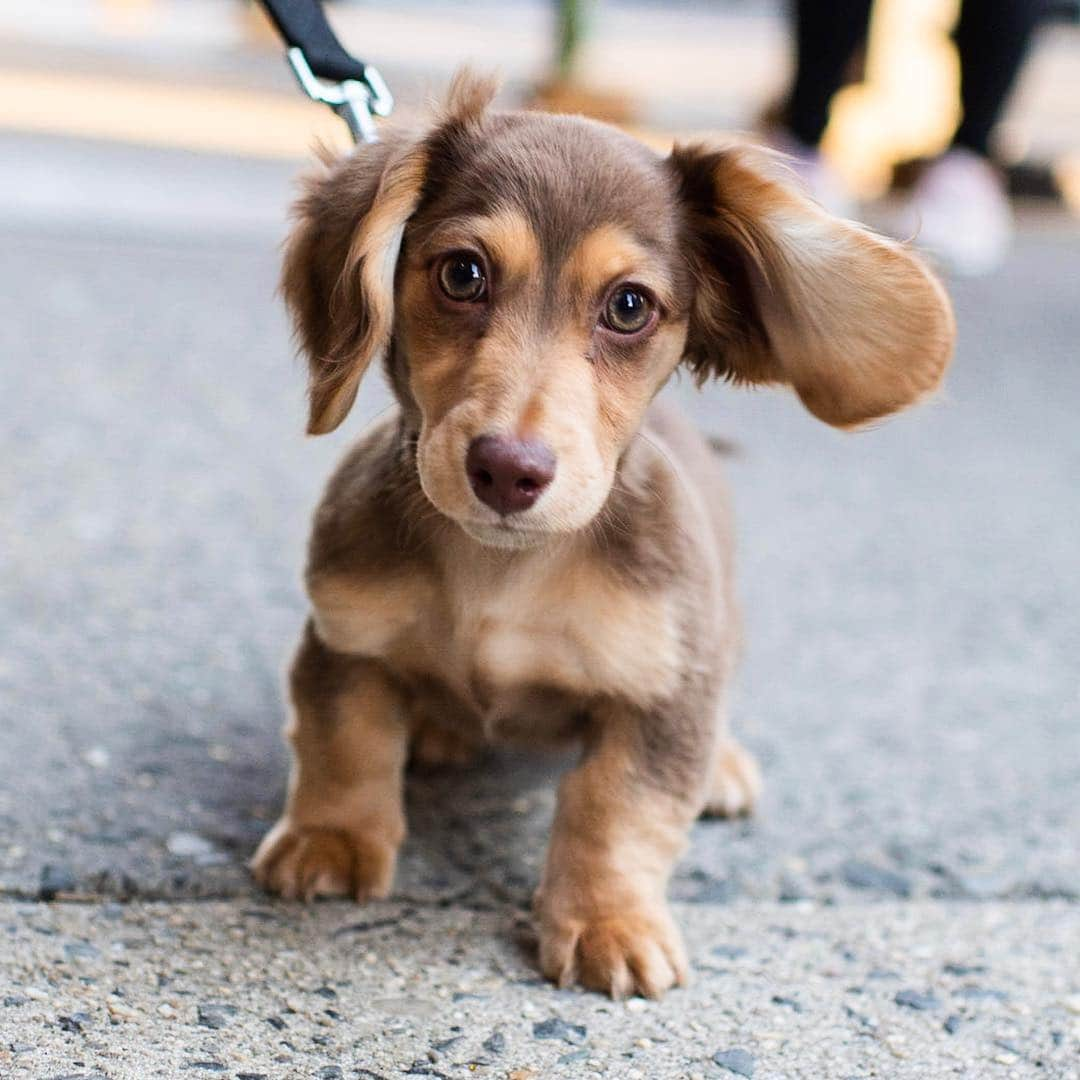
column 533, row 280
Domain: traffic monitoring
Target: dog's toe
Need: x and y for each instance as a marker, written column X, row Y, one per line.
column 633, row 953
column 306, row 862
column 736, row 782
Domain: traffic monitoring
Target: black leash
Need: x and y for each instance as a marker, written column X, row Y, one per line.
column 325, row 71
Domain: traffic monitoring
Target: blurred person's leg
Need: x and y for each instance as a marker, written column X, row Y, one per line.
column 827, row 34
column 960, row 207
column 992, row 39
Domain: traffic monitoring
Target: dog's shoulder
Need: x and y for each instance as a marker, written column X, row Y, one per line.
column 361, row 523
column 369, row 568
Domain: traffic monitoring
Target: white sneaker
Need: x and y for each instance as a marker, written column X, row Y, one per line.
column 959, row 213
column 818, row 178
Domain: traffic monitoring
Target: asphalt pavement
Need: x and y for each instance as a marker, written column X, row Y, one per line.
column 912, row 596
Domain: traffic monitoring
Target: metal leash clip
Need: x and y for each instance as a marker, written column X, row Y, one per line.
column 356, row 102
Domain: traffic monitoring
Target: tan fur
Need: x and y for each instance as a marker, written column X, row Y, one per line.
column 344, row 820
column 735, row 783
column 505, row 235
column 374, row 617
column 604, row 614
column 609, row 254
column 855, row 323
column 369, row 272
column 601, row 909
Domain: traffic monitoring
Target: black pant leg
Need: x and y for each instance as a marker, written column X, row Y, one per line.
column 827, row 33
column 992, row 38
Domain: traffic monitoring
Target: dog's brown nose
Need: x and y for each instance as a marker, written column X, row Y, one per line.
column 509, row 474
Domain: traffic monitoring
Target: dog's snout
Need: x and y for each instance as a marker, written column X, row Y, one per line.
column 509, row 474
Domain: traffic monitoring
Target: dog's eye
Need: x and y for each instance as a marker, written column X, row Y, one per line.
column 628, row 310
column 462, row 278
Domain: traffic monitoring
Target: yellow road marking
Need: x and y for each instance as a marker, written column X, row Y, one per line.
column 190, row 116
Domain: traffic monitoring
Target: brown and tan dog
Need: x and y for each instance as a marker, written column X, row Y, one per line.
column 526, row 548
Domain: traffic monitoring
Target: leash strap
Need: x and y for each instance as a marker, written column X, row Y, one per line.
column 326, row 72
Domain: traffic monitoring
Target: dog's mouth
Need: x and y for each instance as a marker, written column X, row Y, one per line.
column 506, row 535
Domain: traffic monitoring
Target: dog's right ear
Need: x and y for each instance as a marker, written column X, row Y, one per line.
column 786, row 293
column 338, row 277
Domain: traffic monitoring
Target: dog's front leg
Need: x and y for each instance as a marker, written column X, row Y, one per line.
column 622, row 820
column 344, row 819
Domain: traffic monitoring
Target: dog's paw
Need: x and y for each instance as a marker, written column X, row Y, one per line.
column 434, row 746
column 635, row 952
column 736, row 782
column 304, row 862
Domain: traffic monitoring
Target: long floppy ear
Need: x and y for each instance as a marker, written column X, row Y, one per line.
column 788, row 294
column 338, row 276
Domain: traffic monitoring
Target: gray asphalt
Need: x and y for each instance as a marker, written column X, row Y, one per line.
column 912, row 593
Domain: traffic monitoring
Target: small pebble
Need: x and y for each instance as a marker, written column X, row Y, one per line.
column 979, row 993
column 952, row 1024
column 445, row 1044
column 97, row 757
column 862, row 1018
column 573, row 1056
column 80, row 950
column 863, row 875
column 215, row 1015
column 896, row 1047
column 166, row 1011
column 119, row 1011
column 789, row 1003
column 495, row 1043
column 736, row 1061
column 188, row 845
column 556, row 1028
column 729, row 952
column 913, row 999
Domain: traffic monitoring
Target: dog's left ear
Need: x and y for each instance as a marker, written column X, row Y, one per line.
column 785, row 293
column 338, row 275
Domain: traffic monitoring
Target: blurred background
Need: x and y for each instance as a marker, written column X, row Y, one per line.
column 208, row 74
column 912, row 592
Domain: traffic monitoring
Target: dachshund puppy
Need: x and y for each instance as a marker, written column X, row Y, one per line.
column 527, row 548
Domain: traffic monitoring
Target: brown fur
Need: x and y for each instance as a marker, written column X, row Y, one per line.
column 604, row 614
